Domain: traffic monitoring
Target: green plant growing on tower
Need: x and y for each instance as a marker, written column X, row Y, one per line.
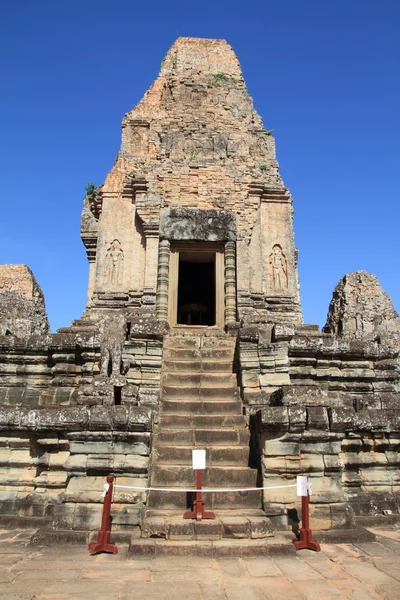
column 269, row 131
column 221, row 79
column 90, row 187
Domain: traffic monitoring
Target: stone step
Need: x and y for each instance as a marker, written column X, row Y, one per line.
column 177, row 500
column 151, row 548
column 208, row 437
column 216, row 456
column 199, row 379
column 212, row 437
column 201, row 407
column 170, row 525
column 218, row 342
column 199, row 365
column 222, row 512
column 199, row 341
column 213, row 477
column 210, row 353
column 307, row 327
column 198, row 353
column 182, row 341
column 180, row 422
column 212, row 393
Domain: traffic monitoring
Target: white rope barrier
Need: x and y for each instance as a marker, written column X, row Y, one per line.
column 106, row 487
column 223, row 490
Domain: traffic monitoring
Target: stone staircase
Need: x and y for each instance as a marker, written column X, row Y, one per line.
column 201, row 408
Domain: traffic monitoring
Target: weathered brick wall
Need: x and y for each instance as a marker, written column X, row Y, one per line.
column 352, row 460
column 195, row 141
column 61, row 432
column 337, row 416
column 53, row 463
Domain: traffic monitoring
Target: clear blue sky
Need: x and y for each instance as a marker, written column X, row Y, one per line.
column 324, row 75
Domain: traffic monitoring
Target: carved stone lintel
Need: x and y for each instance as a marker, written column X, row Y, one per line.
column 190, row 224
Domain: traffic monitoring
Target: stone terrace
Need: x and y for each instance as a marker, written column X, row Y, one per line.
column 366, row 571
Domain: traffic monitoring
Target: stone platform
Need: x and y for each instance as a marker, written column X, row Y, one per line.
column 359, row 571
column 217, row 547
column 170, row 525
column 226, row 536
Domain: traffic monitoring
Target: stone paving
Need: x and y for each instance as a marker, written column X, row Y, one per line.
column 365, row 571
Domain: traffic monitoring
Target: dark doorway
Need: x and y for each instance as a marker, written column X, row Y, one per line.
column 117, row 395
column 196, row 288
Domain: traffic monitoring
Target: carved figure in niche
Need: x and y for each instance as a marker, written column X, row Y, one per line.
column 279, row 267
column 359, row 323
column 112, row 336
column 114, row 263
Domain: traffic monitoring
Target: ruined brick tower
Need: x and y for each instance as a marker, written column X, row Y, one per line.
column 195, row 183
column 193, row 338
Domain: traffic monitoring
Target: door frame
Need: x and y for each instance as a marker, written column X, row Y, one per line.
column 175, row 250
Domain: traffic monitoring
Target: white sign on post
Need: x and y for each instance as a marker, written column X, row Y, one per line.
column 198, row 459
column 302, row 485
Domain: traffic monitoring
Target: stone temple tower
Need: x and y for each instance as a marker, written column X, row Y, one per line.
column 193, row 223
column 193, row 339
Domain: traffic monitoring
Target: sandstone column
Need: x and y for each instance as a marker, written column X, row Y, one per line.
column 91, row 254
column 163, row 280
column 230, row 282
column 150, row 274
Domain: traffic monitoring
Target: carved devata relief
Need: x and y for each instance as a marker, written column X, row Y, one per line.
column 114, row 263
column 112, row 335
column 278, row 263
column 362, row 324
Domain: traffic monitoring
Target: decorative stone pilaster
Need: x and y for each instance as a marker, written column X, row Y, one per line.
column 90, row 242
column 150, row 275
column 163, row 280
column 230, row 282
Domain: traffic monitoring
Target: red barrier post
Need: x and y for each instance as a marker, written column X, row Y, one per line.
column 103, row 543
column 305, row 540
column 199, row 511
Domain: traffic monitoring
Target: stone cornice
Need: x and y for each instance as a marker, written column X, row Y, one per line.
column 133, row 184
column 89, row 240
column 95, row 199
column 270, row 195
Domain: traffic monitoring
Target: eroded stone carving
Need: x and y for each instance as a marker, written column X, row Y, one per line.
column 95, row 201
column 178, row 223
column 361, row 310
column 278, row 262
column 112, row 336
column 114, row 262
column 22, row 307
